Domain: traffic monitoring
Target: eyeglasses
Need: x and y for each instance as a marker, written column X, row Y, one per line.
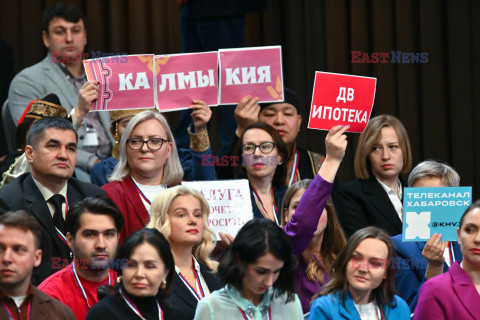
column 152, row 143
column 266, row 147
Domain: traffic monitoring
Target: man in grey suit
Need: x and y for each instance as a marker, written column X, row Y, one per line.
column 62, row 73
column 49, row 189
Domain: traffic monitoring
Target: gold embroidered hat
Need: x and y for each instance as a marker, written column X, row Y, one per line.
column 48, row 106
column 118, row 115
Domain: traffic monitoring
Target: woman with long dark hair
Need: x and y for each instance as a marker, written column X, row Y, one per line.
column 147, row 278
column 362, row 284
column 258, row 273
column 455, row 294
column 264, row 163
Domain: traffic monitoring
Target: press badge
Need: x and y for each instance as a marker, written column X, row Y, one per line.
column 91, row 138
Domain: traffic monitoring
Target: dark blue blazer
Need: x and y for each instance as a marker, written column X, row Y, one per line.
column 411, row 266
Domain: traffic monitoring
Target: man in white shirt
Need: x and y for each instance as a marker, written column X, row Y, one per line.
column 49, row 189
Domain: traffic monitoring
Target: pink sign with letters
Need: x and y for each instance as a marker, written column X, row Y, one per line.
column 341, row 99
column 182, row 78
column 126, row 82
column 250, row 71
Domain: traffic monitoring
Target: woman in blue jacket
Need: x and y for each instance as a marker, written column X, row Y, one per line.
column 362, row 281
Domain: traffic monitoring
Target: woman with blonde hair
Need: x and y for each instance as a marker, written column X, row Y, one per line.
column 181, row 215
column 375, row 198
column 148, row 164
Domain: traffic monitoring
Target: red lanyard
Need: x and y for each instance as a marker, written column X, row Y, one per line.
column 135, row 308
column 10, row 315
column 198, row 295
column 450, row 251
column 263, row 207
column 142, row 195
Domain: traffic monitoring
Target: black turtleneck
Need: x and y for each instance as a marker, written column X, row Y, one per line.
column 147, row 305
column 114, row 307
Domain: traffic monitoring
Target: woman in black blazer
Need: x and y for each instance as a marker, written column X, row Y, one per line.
column 181, row 215
column 383, row 153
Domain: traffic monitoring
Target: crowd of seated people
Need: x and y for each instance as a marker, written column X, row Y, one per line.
column 104, row 229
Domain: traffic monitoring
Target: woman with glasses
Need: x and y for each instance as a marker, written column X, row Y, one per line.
column 264, row 163
column 191, row 159
column 148, row 164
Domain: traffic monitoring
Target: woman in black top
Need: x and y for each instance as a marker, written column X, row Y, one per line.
column 147, row 277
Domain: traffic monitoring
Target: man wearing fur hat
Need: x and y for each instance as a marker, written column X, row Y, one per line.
column 15, row 163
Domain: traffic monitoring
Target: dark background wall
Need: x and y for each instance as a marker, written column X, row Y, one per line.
column 437, row 101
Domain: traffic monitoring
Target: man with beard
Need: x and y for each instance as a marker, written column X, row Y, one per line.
column 19, row 253
column 93, row 226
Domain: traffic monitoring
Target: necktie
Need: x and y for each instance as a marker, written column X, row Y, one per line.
column 58, row 221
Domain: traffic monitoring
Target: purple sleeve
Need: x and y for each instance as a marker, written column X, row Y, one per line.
column 304, row 221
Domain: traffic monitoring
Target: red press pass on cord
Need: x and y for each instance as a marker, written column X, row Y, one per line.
column 341, row 99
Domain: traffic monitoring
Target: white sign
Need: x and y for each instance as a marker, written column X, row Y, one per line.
column 229, row 201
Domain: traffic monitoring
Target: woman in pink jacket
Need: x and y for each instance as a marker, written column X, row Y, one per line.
column 455, row 294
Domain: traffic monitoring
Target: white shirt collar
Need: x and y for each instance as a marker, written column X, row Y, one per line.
column 47, row 193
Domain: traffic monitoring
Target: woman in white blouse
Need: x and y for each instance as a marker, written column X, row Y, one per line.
column 258, row 270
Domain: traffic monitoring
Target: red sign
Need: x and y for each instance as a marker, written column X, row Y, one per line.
column 341, row 99
column 182, row 78
column 251, row 71
column 126, row 82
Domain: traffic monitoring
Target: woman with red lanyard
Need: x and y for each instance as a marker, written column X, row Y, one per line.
column 181, row 214
column 146, row 282
column 258, row 273
column 362, row 283
column 263, row 154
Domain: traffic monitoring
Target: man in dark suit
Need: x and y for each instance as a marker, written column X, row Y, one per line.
column 49, row 189
column 64, row 34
